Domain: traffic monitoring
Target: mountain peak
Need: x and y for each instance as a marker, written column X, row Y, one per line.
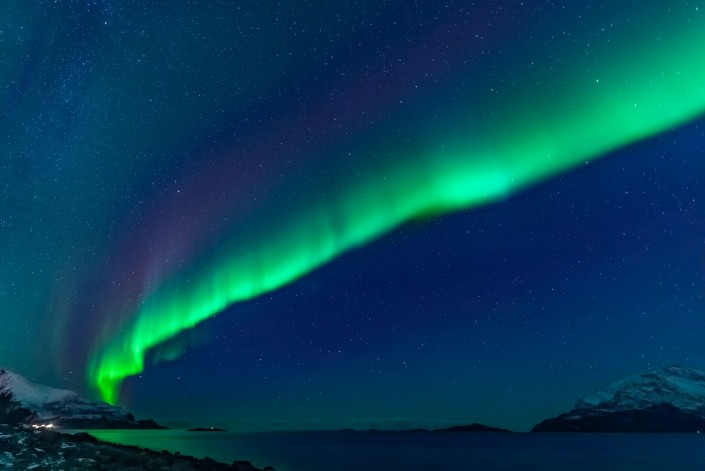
column 61, row 407
column 29, row 393
column 678, row 386
column 667, row 400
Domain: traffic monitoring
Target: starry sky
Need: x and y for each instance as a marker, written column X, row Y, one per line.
column 377, row 214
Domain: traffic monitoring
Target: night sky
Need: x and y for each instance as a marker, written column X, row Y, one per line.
column 371, row 214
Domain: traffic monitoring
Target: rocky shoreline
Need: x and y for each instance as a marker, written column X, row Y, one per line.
column 24, row 448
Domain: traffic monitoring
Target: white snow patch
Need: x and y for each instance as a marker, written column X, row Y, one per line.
column 31, row 394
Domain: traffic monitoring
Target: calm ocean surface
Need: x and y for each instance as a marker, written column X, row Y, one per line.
column 399, row 451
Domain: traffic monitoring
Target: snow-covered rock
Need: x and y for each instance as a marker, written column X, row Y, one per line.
column 37, row 404
column 668, row 400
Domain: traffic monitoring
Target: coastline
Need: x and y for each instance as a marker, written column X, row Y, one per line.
column 326, row 450
column 24, row 448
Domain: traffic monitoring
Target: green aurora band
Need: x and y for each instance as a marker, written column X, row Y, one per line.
column 539, row 131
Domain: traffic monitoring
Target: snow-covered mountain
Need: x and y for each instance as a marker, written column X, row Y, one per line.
column 668, row 400
column 31, row 394
column 38, row 404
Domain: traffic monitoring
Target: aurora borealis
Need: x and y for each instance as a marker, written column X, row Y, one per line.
column 167, row 166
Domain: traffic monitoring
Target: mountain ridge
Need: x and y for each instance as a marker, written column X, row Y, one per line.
column 22, row 401
column 667, row 400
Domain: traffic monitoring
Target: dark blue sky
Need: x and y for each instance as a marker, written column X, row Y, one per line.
column 504, row 314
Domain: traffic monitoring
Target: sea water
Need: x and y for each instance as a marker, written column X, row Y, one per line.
column 401, row 451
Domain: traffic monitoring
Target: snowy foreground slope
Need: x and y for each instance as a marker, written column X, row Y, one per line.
column 38, row 404
column 23, row 448
column 668, row 400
